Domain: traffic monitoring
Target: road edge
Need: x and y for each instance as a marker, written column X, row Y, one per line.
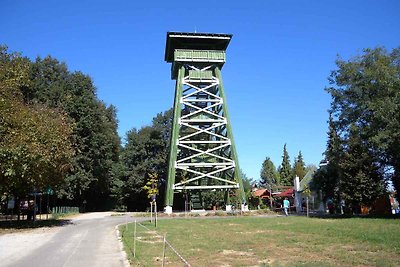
column 125, row 260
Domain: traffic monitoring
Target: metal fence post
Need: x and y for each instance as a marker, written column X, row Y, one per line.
column 134, row 241
column 126, row 224
column 164, row 247
column 155, row 214
column 151, row 212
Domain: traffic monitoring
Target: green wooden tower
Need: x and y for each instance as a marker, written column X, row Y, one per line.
column 202, row 155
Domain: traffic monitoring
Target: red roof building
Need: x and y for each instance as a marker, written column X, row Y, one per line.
column 287, row 193
column 261, row 193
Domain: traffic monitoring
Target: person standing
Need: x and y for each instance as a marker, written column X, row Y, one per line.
column 286, row 205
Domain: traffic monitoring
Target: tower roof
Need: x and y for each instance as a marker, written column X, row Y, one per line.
column 196, row 41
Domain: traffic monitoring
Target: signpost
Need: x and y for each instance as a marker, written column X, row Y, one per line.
column 49, row 192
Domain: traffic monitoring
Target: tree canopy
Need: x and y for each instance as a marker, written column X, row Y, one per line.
column 285, row 170
column 268, row 173
column 327, row 177
column 144, row 157
column 364, row 136
column 53, row 120
column 299, row 167
column 361, row 179
column 35, row 140
column 366, row 93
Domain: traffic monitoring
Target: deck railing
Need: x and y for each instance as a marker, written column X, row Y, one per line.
column 199, row 55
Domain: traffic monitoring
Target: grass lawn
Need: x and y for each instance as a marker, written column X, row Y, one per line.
column 257, row 241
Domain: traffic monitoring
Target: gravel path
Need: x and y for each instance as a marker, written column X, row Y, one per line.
column 14, row 246
column 90, row 240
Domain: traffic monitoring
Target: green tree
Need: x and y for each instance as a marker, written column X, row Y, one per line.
column 48, row 92
column 327, row 177
column 117, row 185
column 247, row 182
column 268, row 173
column 362, row 180
column 310, row 167
column 299, row 167
column 144, row 152
column 366, row 92
column 163, row 123
column 96, row 142
column 151, row 186
column 285, row 170
column 35, row 140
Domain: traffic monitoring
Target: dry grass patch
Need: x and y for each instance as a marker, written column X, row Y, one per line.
column 237, row 253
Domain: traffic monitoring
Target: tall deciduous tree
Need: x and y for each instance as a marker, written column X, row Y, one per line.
column 50, row 86
column 96, row 142
column 40, row 102
column 268, row 173
column 366, row 92
column 145, row 152
column 285, row 170
column 35, row 140
column 163, row 123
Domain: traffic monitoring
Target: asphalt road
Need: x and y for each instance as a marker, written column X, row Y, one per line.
column 89, row 240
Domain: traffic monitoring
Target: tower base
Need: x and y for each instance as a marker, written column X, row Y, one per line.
column 168, row 210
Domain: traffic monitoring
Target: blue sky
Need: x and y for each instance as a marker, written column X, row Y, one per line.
column 277, row 62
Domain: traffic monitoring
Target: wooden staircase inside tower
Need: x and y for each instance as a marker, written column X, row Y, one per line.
column 196, row 200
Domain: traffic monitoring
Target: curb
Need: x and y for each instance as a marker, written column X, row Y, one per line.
column 125, row 262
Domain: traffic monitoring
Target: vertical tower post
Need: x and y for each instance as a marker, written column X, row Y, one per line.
column 202, row 154
column 169, row 196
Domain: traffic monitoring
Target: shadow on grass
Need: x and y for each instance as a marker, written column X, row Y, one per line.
column 23, row 224
column 348, row 216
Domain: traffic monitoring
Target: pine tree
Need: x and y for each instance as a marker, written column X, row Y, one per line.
column 327, row 177
column 285, row 171
column 299, row 167
column 334, row 147
column 361, row 182
column 268, row 173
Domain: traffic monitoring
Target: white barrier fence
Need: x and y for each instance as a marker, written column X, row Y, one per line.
column 166, row 244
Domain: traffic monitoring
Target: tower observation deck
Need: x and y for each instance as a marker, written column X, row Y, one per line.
column 202, row 153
